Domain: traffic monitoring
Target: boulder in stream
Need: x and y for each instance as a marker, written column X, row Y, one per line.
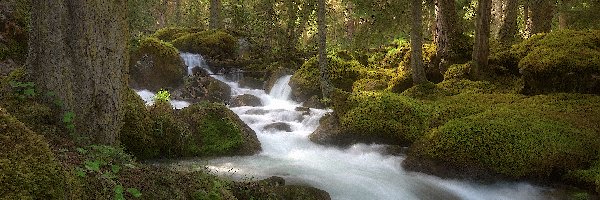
column 279, row 126
column 251, row 82
column 275, row 188
column 155, row 65
column 245, row 100
column 201, row 87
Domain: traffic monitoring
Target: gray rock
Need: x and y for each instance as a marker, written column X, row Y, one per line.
column 245, row 100
column 279, row 126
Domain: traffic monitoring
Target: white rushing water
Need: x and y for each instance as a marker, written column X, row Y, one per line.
column 360, row 172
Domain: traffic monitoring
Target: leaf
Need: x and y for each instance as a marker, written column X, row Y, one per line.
column 119, row 192
column 68, row 117
column 79, row 172
column 116, row 169
column 29, row 92
column 92, row 166
column 135, row 192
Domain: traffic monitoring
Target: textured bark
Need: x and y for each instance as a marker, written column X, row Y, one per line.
column 562, row 20
column 448, row 33
column 508, row 27
column 498, row 15
column 78, row 50
column 541, row 16
column 321, row 20
column 481, row 47
column 526, row 19
column 416, row 43
column 215, row 14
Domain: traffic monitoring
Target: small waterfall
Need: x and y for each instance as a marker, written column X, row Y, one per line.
column 282, row 90
column 194, row 60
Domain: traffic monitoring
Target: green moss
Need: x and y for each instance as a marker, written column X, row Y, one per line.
column 28, row 169
column 213, row 132
column 169, row 34
column 306, row 81
column 157, row 64
column 512, row 143
column 367, row 84
column 455, row 86
column 168, row 132
column 458, row 71
column 136, row 131
column 561, row 61
column 384, row 116
column 400, row 82
column 214, row 44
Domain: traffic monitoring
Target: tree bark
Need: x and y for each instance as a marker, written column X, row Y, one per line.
column 481, row 47
column 324, row 78
column 215, row 14
column 508, row 28
column 416, row 43
column 448, row 33
column 526, row 19
column 498, row 16
column 78, row 50
column 541, row 16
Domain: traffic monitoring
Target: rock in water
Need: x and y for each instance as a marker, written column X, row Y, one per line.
column 246, row 100
column 279, row 126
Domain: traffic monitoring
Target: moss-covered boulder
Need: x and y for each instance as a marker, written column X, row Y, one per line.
column 503, row 142
column 245, row 100
column 216, row 130
column 169, row 34
column 400, row 82
column 458, row 71
column 212, row 44
column 367, row 84
column 168, row 132
column 563, row 61
column 28, row 168
column 305, row 82
column 155, row 65
column 136, row 133
column 375, row 117
column 202, row 87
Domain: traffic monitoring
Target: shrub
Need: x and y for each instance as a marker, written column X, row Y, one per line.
column 212, row 44
column 157, row 64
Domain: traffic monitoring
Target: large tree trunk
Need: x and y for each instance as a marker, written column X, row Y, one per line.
column 448, row 33
column 324, row 78
column 481, row 48
column 508, row 27
column 78, row 50
column 416, row 43
column 541, row 16
column 215, row 14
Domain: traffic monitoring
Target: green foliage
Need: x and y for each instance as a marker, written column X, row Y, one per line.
column 23, row 90
column 384, row 117
column 367, row 84
column 306, row 81
column 28, row 168
column 162, row 95
column 213, row 44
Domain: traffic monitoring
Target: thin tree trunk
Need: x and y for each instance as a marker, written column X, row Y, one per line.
column 416, row 43
column 526, row 19
column 508, row 29
column 562, row 20
column 448, row 33
column 215, row 14
column 481, row 48
column 78, row 50
column 541, row 16
column 498, row 16
column 321, row 20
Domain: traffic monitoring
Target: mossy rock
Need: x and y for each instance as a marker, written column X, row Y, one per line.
column 216, row 130
column 155, row 65
column 400, row 82
column 367, row 84
column 28, row 168
column 505, row 143
column 305, row 82
column 561, row 61
column 136, row 133
column 458, row 71
column 202, row 87
column 213, row 44
column 168, row 131
column 169, row 34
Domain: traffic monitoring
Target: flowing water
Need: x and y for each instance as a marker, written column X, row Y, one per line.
column 360, row 172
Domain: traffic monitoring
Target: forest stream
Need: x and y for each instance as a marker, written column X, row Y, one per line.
column 358, row 172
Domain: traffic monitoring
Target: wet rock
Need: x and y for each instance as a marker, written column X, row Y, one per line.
column 314, row 102
column 274, row 188
column 245, row 100
column 328, row 132
column 156, row 65
column 279, row 126
column 203, row 88
column 250, row 82
column 304, row 110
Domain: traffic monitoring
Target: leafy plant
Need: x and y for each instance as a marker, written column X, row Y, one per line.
column 162, row 95
column 23, row 90
column 105, row 163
